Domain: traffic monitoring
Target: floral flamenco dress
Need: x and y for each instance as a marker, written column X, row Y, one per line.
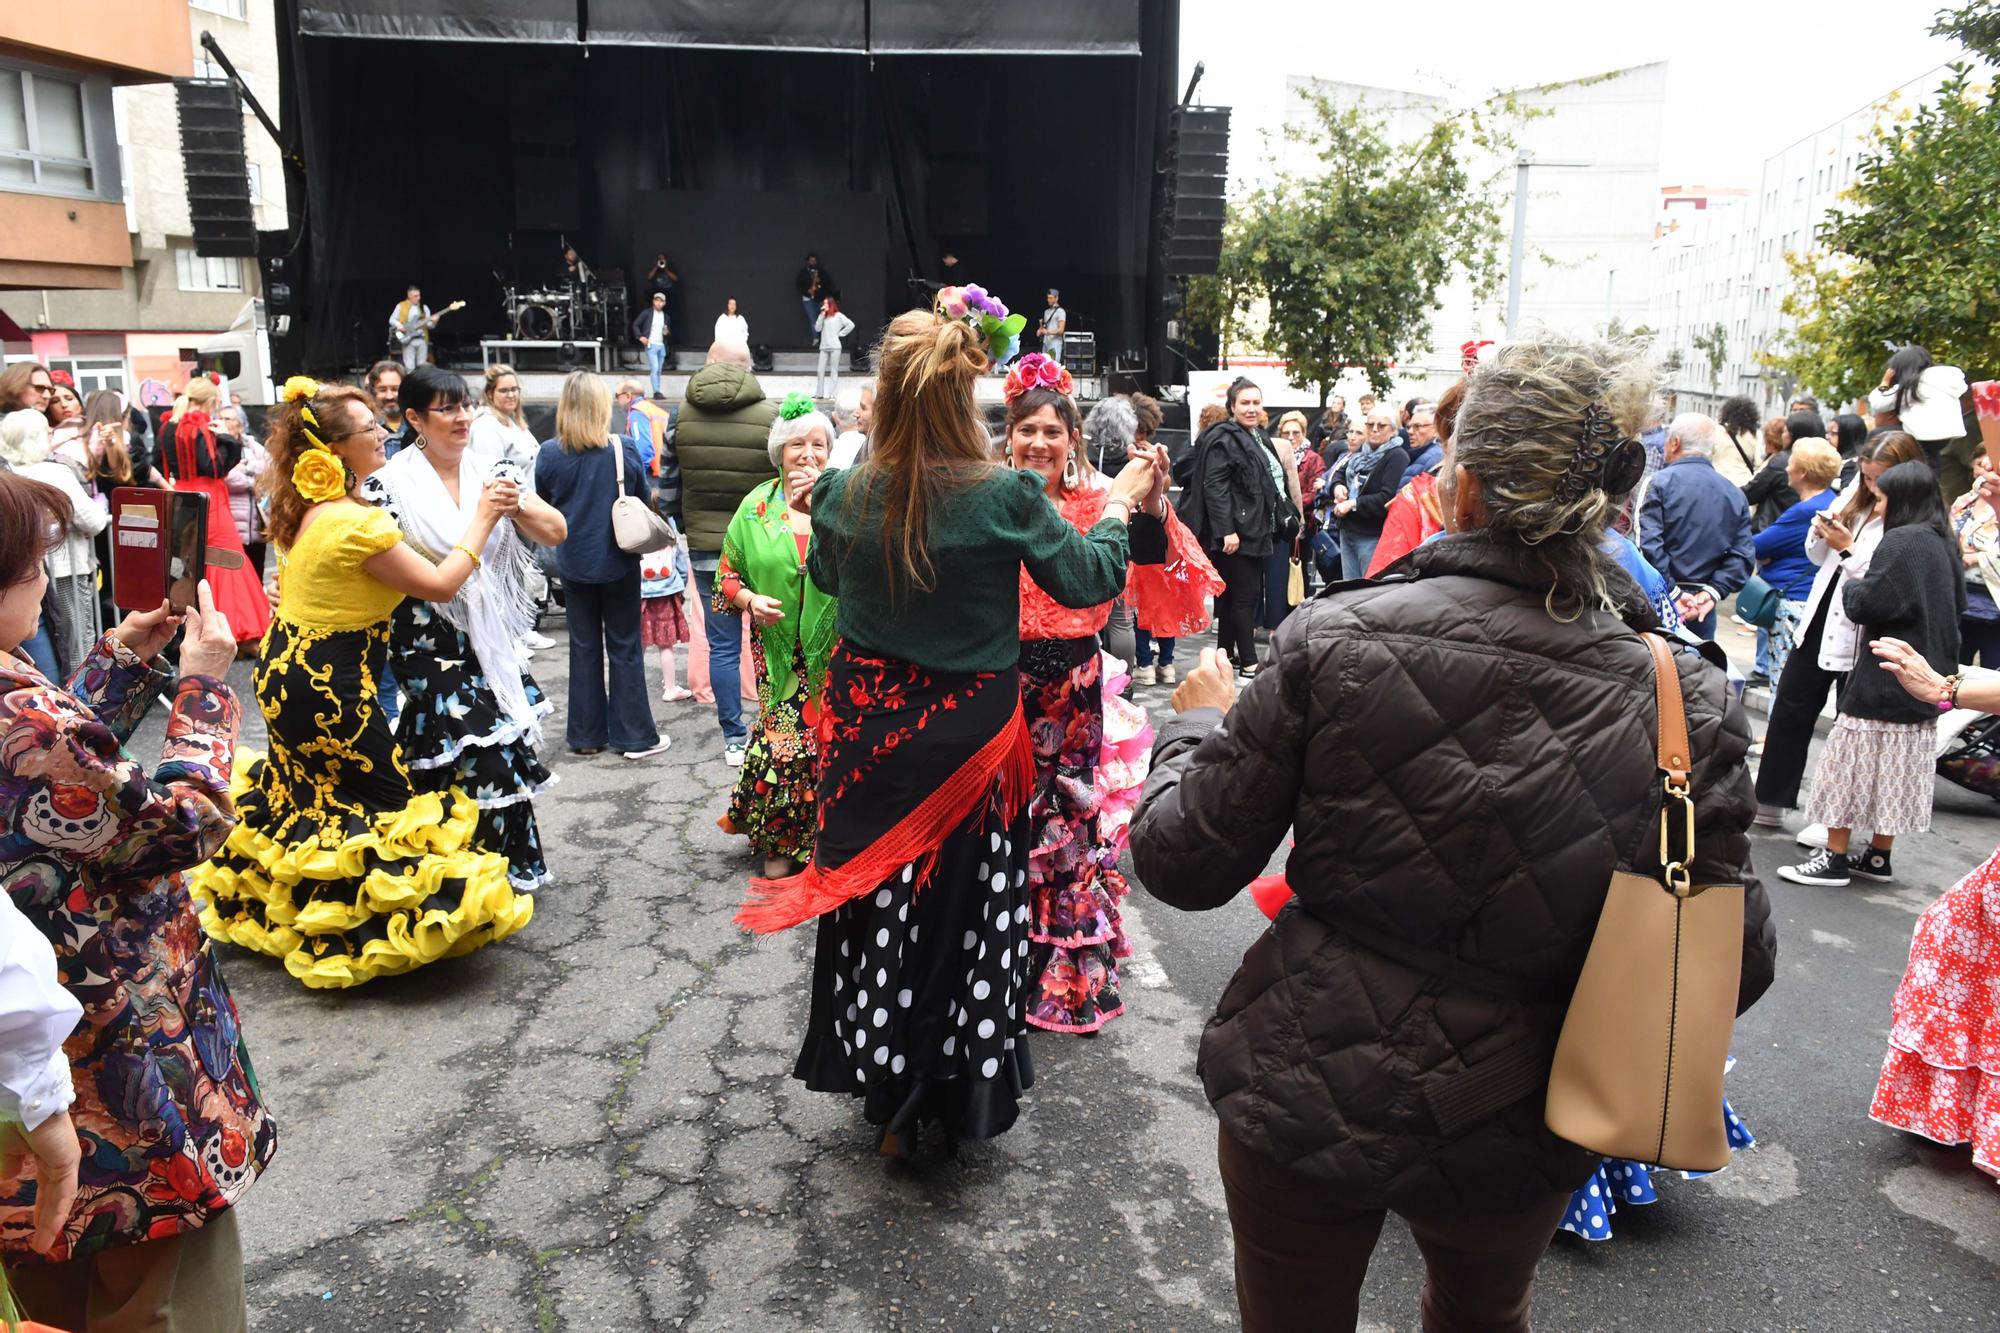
column 1075, row 926
column 338, row 865
column 471, row 715
column 1941, row 1078
column 774, row 804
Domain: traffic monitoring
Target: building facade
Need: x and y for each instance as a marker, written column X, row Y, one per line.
column 133, row 314
column 1720, row 267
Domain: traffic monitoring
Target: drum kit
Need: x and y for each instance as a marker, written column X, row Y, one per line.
column 575, row 313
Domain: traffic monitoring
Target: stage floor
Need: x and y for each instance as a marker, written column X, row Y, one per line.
column 544, row 386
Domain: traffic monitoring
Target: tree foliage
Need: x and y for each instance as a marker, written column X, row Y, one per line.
column 1713, row 344
column 1348, row 258
column 1913, row 255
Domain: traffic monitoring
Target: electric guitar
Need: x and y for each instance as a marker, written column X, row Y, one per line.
column 400, row 335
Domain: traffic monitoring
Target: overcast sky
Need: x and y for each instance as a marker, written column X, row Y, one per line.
column 1745, row 78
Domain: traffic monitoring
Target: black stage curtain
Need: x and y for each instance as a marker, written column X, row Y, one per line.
column 460, row 20
column 1035, row 172
column 1000, row 27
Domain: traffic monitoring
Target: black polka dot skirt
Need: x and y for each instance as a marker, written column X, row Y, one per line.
column 919, row 989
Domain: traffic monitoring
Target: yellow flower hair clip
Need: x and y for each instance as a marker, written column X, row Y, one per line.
column 300, row 386
column 319, row 476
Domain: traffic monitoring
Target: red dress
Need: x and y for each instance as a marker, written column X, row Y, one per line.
column 1942, row 1075
column 189, row 451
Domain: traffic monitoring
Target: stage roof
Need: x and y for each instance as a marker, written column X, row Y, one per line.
column 879, row 27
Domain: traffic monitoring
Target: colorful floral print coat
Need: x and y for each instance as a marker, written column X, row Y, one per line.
column 93, row 851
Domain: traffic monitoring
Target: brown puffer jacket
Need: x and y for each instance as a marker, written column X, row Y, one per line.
column 1462, row 773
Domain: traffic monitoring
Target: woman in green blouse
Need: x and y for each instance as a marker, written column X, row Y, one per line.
column 919, row 870
column 764, row 573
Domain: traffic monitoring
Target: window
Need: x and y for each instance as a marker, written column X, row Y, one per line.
column 257, row 186
column 227, row 8
column 1799, row 188
column 196, row 274
column 43, row 142
column 92, row 373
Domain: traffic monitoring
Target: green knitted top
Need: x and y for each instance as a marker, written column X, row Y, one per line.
column 980, row 536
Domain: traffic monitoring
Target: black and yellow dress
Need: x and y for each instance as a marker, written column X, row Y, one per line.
column 337, row 865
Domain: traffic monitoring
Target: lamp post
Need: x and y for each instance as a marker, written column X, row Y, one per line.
column 1519, row 249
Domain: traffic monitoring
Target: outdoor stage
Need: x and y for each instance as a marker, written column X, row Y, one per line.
column 881, row 134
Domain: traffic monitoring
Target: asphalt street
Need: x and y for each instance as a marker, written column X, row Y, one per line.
column 592, row 1126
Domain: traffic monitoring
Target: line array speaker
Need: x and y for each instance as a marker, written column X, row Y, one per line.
column 1197, row 186
column 218, row 175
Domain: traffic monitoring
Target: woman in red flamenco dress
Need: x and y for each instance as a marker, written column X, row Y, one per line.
column 1941, row 1078
column 195, row 458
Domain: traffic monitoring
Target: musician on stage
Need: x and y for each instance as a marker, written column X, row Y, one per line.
column 815, row 284
column 410, row 325
column 576, row 273
column 662, row 276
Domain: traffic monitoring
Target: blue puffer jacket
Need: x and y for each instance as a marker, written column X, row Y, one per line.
column 1781, row 548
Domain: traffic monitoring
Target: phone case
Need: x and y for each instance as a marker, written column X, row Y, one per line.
column 159, row 546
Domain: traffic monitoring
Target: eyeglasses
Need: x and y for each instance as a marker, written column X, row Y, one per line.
column 1380, row 425
column 506, row 388
column 451, row 410
column 372, row 428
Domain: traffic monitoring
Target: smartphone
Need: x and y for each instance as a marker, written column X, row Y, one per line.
column 159, row 547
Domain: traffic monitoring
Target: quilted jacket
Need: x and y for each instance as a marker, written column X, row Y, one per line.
column 1462, row 772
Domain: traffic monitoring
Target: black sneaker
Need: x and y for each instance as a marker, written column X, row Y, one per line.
column 1827, row 870
column 1873, row 864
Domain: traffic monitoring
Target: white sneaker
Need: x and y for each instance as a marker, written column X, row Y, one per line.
column 1167, row 676
column 1143, row 676
column 536, row 639
column 732, row 754
column 666, row 743
column 1812, row 835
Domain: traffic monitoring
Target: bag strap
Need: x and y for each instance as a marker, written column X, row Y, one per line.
column 1676, row 761
column 618, row 466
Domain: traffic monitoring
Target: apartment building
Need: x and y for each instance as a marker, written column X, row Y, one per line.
column 129, row 309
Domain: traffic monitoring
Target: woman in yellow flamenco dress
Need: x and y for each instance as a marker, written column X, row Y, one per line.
column 337, row 865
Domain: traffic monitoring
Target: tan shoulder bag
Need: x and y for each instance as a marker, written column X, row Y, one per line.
column 1638, row 1069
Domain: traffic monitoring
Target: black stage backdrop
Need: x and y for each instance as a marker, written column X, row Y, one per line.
column 464, row 164
column 751, row 244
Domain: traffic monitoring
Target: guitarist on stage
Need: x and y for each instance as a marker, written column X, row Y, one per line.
column 410, row 325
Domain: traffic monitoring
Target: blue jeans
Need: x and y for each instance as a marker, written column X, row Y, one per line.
column 811, row 307
column 1356, row 550
column 656, row 362
column 1703, row 628
column 1763, row 665
column 604, row 631
column 386, row 695
column 1142, row 648
column 725, row 659
column 42, row 653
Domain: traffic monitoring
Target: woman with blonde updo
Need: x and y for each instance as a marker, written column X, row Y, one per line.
column 920, row 867
column 339, row 866
column 1465, row 755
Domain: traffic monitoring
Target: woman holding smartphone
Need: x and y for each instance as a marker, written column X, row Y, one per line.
column 1841, row 542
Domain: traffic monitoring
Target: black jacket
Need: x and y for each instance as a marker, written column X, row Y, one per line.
column 1914, row 591
column 1371, row 503
column 1770, row 492
column 1462, row 772
column 1231, row 490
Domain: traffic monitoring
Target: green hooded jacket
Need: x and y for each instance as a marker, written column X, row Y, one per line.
column 723, row 441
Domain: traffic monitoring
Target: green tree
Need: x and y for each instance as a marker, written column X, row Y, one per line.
column 1713, row 344
column 1348, row 258
column 1914, row 253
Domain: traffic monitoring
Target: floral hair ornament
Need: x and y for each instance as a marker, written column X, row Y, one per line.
column 1035, row 371
column 319, row 475
column 985, row 313
column 796, row 405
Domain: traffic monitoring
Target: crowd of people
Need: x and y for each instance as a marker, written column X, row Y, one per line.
column 942, row 771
